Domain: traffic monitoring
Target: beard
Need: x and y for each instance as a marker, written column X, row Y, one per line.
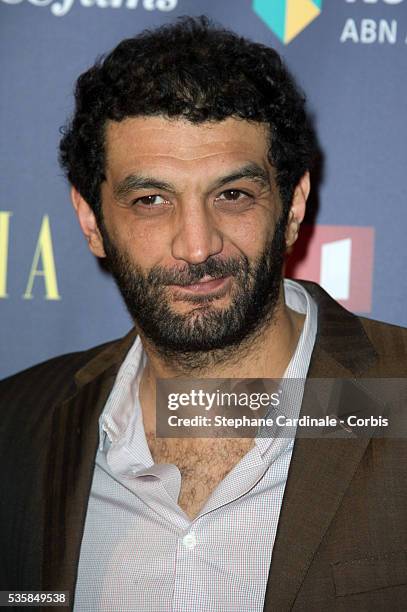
column 206, row 330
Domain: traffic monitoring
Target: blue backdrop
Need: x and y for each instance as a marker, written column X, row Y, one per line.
column 348, row 55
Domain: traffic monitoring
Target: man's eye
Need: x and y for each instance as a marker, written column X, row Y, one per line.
column 233, row 200
column 150, row 201
column 232, row 195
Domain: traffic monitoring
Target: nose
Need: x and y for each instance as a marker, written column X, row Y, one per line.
column 196, row 238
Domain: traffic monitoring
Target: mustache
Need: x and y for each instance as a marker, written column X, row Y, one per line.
column 193, row 273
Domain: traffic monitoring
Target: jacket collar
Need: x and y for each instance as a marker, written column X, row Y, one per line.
column 341, row 339
column 113, row 355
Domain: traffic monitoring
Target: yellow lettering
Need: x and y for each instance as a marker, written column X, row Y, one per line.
column 4, row 234
column 44, row 251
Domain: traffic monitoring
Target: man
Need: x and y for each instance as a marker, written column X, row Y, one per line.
column 189, row 156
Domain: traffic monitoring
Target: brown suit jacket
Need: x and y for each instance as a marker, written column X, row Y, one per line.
column 341, row 542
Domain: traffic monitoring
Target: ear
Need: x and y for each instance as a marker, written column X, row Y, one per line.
column 88, row 223
column 297, row 210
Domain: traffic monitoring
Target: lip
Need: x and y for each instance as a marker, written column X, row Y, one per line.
column 205, row 285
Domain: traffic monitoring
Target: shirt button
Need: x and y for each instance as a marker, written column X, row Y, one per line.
column 189, row 541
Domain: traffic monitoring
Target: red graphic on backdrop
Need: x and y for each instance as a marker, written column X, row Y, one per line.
column 340, row 259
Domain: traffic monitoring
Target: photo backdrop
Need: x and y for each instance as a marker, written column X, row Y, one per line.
column 350, row 58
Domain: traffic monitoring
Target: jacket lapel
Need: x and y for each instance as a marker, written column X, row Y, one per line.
column 321, row 468
column 74, row 438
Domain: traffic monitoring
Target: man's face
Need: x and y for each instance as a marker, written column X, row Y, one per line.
column 193, row 229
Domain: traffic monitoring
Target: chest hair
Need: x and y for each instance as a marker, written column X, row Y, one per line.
column 203, row 464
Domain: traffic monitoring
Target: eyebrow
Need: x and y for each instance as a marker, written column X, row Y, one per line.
column 136, row 181
column 251, row 171
column 132, row 182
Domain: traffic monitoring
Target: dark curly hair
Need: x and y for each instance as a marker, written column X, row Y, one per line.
column 196, row 71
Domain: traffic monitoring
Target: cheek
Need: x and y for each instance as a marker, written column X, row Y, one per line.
column 147, row 246
column 250, row 234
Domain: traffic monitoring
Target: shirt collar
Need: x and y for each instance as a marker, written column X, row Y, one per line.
column 298, row 299
column 124, row 397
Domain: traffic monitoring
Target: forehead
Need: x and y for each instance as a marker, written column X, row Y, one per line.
column 176, row 143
